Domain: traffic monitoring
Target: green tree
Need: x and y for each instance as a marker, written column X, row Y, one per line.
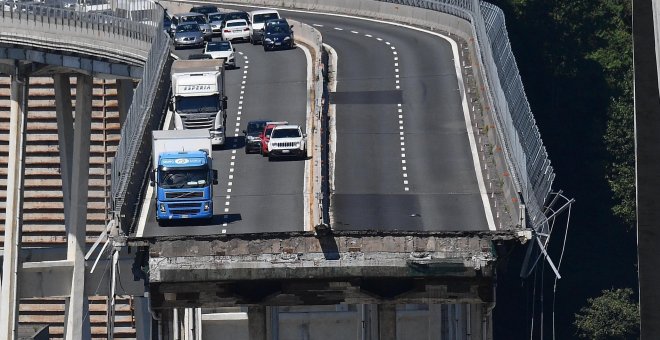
column 601, row 31
column 613, row 315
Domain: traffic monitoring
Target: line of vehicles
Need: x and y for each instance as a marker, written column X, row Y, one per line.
column 202, row 23
column 182, row 173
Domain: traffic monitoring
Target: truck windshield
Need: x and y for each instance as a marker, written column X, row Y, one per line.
column 184, row 178
column 198, row 104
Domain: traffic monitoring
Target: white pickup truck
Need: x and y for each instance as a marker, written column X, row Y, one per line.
column 287, row 141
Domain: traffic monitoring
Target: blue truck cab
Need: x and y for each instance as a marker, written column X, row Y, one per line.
column 183, row 179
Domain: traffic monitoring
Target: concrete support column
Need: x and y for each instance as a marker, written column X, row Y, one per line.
column 124, row 97
column 273, row 324
column 435, row 322
column 77, row 321
column 143, row 319
column 257, row 322
column 368, row 326
column 13, row 210
column 166, row 324
column 475, row 321
column 387, row 321
column 65, row 130
column 198, row 323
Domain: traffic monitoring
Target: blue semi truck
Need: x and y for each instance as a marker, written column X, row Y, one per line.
column 183, row 175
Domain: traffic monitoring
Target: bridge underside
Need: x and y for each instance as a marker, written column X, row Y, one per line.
column 304, row 269
column 54, row 62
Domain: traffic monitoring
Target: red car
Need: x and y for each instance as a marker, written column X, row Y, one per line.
column 265, row 136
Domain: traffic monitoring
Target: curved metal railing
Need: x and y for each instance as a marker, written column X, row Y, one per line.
column 128, row 32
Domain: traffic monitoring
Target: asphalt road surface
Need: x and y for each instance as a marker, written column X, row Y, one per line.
column 253, row 194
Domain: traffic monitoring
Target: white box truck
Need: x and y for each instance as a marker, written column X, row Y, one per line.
column 198, row 96
column 183, row 175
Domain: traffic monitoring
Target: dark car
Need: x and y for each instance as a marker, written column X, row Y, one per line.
column 204, row 9
column 252, row 135
column 277, row 35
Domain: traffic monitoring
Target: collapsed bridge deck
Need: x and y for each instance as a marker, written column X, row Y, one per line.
column 307, row 269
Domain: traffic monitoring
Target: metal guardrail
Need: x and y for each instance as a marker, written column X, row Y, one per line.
column 124, row 31
column 533, row 171
column 132, row 158
column 110, row 33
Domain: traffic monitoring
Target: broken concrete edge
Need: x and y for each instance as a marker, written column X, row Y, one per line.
column 322, row 292
column 504, row 235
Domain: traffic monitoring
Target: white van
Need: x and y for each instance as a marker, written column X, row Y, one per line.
column 257, row 20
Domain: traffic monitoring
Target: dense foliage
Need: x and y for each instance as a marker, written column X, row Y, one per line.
column 575, row 58
column 613, row 315
column 601, row 31
column 584, row 41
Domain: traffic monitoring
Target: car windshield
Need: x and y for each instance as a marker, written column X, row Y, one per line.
column 200, row 104
column 215, row 17
column 200, row 19
column 218, row 46
column 259, row 18
column 188, row 28
column 256, row 127
column 285, row 133
column 184, row 178
column 237, row 15
column 276, row 29
column 236, row 23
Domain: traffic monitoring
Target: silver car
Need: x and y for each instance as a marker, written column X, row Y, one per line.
column 188, row 34
column 199, row 18
column 215, row 20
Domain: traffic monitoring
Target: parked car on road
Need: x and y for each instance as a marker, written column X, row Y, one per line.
column 287, row 141
column 277, row 35
column 221, row 49
column 257, row 21
column 188, row 34
column 204, row 9
column 265, row 135
column 236, row 29
column 199, row 18
column 252, row 135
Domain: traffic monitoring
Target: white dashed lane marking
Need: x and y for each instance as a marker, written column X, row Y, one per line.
column 232, row 164
column 402, row 137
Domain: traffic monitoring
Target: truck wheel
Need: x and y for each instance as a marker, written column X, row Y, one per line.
column 162, row 223
column 271, row 158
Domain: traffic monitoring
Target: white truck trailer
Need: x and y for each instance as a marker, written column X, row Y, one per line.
column 199, row 99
